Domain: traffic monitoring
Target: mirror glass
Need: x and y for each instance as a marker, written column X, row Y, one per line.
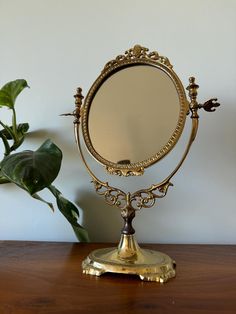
column 133, row 114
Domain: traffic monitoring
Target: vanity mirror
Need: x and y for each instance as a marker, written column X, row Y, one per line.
column 132, row 116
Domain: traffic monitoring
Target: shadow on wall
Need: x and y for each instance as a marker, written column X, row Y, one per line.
column 217, row 135
column 102, row 221
column 38, row 136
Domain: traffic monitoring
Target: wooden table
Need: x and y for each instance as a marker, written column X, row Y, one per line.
column 46, row 277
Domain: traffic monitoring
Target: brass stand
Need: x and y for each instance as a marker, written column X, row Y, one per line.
column 129, row 258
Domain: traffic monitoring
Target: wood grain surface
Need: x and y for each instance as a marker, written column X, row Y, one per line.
column 46, row 277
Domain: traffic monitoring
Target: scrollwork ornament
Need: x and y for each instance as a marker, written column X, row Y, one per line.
column 135, row 53
column 146, row 198
column 113, row 196
column 125, row 172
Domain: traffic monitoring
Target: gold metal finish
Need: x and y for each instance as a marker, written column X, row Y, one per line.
column 144, row 198
column 135, row 56
column 129, row 258
column 126, row 172
column 137, row 52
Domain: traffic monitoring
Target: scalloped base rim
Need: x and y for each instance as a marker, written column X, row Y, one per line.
column 149, row 265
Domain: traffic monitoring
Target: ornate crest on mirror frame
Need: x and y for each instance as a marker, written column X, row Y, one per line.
column 138, row 52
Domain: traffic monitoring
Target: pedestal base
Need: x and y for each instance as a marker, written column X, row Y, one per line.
column 147, row 264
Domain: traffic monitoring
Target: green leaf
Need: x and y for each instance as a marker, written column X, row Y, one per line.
column 33, row 170
column 70, row 211
column 10, row 91
column 81, row 234
column 22, row 128
column 18, row 143
column 7, row 131
column 3, row 179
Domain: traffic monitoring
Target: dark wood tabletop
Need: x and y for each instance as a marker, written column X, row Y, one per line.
column 46, row 277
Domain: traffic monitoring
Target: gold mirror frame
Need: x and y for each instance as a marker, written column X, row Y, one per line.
column 135, row 56
column 128, row 257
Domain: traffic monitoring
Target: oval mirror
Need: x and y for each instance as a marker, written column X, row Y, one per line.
column 134, row 115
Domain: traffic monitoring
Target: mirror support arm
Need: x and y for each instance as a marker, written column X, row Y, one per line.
column 77, row 113
column 194, row 106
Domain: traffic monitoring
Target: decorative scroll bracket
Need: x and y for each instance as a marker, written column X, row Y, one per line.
column 128, row 203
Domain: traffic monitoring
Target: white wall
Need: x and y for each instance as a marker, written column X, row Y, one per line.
column 58, row 45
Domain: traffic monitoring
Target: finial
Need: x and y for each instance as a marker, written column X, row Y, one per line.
column 192, row 89
column 78, row 103
column 192, row 92
column 78, row 97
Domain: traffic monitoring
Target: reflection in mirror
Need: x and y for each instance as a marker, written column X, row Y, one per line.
column 133, row 114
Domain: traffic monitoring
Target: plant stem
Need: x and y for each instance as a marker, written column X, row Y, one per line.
column 9, row 130
column 14, row 124
column 5, row 142
column 3, row 125
column 6, row 145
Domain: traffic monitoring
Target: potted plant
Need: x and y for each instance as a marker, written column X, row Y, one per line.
column 36, row 170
